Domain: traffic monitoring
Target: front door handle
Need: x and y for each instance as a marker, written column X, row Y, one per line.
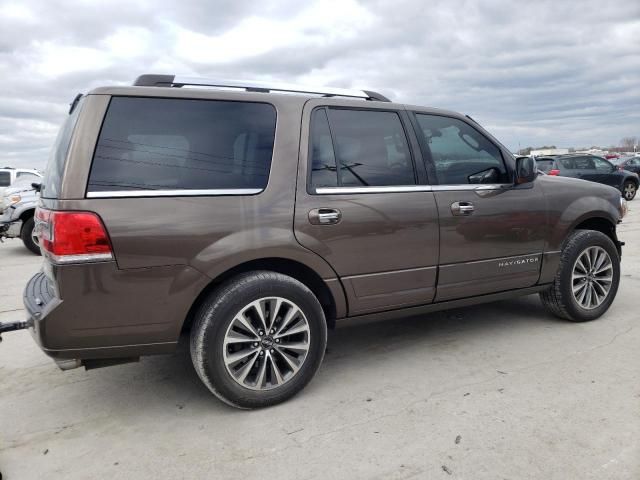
column 462, row 208
column 325, row 216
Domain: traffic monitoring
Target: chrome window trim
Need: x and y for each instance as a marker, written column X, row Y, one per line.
column 409, row 188
column 174, row 193
column 386, row 189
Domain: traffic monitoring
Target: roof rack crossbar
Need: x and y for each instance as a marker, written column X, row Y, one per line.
column 150, row 80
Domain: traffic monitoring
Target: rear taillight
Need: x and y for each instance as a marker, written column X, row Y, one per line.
column 72, row 237
column 554, row 172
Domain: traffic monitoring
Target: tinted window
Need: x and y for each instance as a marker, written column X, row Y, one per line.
column 458, row 150
column 323, row 160
column 545, row 165
column 371, row 148
column 173, row 144
column 602, row 165
column 5, row 178
column 58, row 155
column 578, row 163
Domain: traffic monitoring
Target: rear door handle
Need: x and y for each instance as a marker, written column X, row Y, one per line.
column 462, row 208
column 325, row 216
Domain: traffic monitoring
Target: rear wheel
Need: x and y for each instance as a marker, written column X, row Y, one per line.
column 587, row 280
column 28, row 236
column 258, row 339
column 629, row 190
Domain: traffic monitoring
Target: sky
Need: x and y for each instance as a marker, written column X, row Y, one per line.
column 533, row 73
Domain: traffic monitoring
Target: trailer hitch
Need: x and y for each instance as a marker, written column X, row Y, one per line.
column 12, row 326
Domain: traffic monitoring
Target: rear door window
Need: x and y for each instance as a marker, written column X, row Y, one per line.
column 361, row 148
column 149, row 144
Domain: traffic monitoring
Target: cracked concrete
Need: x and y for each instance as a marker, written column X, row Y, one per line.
column 529, row 396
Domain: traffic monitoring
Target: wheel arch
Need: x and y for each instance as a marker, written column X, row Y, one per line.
column 331, row 306
column 600, row 223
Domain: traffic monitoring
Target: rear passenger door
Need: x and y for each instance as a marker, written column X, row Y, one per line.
column 491, row 232
column 363, row 204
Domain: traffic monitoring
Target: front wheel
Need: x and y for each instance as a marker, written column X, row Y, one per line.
column 588, row 277
column 28, row 236
column 629, row 190
column 258, row 339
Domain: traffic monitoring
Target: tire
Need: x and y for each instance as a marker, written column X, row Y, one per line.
column 560, row 300
column 216, row 322
column 629, row 190
column 26, row 234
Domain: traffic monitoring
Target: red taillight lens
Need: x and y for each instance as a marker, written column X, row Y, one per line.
column 72, row 237
column 554, row 172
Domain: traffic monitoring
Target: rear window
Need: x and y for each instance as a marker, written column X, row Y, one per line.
column 174, row 144
column 58, row 156
column 578, row 163
column 545, row 165
column 5, row 178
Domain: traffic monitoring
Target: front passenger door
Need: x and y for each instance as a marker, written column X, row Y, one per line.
column 491, row 232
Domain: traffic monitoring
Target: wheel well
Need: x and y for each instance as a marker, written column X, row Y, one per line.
column 294, row 269
column 601, row 225
column 24, row 216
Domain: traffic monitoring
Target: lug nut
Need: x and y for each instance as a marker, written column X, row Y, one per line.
column 261, row 333
column 261, row 353
column 277, row 340
column 272, row 331
column 271, row 350
column 255, row 344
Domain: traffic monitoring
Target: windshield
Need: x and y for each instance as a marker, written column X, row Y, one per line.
column 57, row 157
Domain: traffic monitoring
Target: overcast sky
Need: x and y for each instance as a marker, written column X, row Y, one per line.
column 532, row 72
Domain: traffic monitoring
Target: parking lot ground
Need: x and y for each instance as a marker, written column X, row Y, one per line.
column 498, row 391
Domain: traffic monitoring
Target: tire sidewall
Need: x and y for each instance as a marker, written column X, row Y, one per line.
column 216, row 317
column 26, row 234
column 589, row 239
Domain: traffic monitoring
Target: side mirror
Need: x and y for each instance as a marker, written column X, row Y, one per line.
column 526, row 170
column 37, row 186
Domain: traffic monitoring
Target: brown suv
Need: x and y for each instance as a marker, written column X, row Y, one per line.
column 259, row 219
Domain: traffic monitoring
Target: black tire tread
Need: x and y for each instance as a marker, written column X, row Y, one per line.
column 25, row 236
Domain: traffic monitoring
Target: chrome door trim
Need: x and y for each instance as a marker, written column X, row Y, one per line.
column 408, row 188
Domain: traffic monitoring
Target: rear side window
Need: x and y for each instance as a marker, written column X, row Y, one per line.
column 58, row 156
column 175, row 144
column 578, row 163
column 5, row 178
column 459, row 151
column 362, row 148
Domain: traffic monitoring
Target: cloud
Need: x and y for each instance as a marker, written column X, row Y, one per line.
column 547, row 72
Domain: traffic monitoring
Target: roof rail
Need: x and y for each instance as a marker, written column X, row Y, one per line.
column 151, row 80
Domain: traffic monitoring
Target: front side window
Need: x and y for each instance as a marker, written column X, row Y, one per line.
column 602, row 165
column 460, row 153
column 361, row 148
column 176, row 144
column 5, row 178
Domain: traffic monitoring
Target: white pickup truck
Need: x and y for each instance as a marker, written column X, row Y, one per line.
column 17, row 207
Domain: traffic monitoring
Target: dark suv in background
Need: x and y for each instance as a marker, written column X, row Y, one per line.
column 592, row 168
column 259, row 219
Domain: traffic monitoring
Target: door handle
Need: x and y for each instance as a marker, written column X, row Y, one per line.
column 462, row 208
column 325, row 216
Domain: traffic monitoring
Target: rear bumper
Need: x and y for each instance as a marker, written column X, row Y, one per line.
column 100, row 312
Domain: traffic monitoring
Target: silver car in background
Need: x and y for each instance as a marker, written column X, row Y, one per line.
column 17, row 207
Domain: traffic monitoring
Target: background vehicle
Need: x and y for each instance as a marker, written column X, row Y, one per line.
column 629, row 163
column 17, row 207
column 258, row 220
column 592, row 168
column 9, row 175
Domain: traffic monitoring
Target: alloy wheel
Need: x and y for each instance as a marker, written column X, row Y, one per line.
column 266, row 343
column 629, row 191
column 592, row 277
